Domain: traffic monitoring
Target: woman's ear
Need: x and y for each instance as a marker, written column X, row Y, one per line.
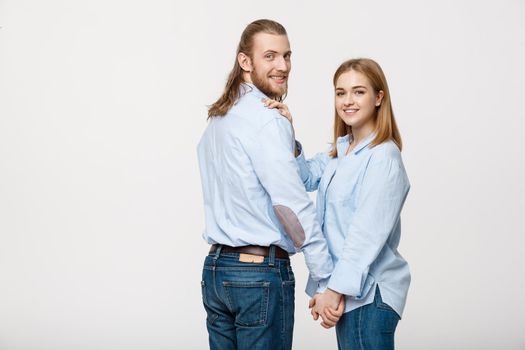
column 379, row 98
column 245, row 62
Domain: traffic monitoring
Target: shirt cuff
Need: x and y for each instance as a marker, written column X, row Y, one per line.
column 322, row 285
column 313, row 287
column 348, row 280
column 304, row 171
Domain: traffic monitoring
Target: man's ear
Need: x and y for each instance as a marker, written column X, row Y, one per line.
column 245, row 62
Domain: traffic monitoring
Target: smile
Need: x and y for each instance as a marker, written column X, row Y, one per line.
column 278, row 78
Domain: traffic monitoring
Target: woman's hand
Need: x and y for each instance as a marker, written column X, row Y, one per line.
column 283, row 109
column 285, row 112
column 329, row 305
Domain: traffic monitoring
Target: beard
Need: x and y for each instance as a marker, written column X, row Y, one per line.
column 262, row 83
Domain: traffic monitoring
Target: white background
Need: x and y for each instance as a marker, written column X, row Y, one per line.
column 102, row 104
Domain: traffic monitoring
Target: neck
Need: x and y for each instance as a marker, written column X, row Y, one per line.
column 246, row 77
column 359, row 134
column 248, row 80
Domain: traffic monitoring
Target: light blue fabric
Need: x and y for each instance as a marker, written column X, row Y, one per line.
column 359, row 201
column 248, row 170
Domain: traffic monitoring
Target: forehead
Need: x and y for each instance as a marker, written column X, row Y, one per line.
column 263, row 42
column 352, row 78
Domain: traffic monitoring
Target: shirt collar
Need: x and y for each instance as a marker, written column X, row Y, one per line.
column 250, row 88
column 343, row 141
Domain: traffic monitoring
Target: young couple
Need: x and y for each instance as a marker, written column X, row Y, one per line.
column 254, row 180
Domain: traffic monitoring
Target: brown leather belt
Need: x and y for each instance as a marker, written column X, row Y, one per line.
column 251, row 249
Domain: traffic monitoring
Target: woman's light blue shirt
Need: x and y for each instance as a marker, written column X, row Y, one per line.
column 359, row 201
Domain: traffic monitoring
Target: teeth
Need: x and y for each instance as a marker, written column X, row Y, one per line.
column 350, row 110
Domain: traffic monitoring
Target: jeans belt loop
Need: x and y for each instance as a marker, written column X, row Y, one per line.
column 271, row 257
column 217, row 253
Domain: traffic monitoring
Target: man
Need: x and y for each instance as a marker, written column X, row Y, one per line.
column 256, row 209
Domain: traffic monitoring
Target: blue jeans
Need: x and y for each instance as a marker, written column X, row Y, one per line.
column 370, row 327
column 248, row 305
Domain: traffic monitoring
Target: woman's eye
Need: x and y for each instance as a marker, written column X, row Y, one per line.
column 339, row 93
column 359, row 92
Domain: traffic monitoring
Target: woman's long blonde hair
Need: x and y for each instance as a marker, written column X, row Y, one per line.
column 385, row 123
column 231, row 91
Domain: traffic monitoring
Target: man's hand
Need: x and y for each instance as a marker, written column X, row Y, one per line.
column 329, row 305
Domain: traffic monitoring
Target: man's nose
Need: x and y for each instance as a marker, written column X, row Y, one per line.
column 281, row 64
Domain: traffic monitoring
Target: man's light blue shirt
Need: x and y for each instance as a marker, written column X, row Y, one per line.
column 359, row 201
column 253, row 194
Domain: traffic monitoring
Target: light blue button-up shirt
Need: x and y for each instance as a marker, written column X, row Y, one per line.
column 359, row 201
column 253, row 194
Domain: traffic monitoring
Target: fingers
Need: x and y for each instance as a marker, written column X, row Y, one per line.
column 327, row 326
column 314, row 314
column 341, row 307
column 327, row 323
column 283, row 109
column 334, row 314
column 329, row 316
column 272, row 103
column 324, row 325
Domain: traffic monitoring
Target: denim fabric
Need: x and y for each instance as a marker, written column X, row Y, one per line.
column 369, row 327
column 248, row 305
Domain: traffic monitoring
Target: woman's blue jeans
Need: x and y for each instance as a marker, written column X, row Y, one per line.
column 248, row 305
column 370, row 327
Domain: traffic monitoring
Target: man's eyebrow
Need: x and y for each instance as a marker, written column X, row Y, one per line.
column 273, row 51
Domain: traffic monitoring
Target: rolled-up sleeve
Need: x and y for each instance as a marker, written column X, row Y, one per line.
column 383, row 193
column 272, row 157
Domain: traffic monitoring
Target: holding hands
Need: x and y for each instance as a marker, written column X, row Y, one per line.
column 330, row 305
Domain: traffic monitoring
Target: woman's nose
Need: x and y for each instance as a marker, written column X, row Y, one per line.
column 348, row 100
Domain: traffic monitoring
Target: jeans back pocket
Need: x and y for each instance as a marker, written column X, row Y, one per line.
column 248, row 301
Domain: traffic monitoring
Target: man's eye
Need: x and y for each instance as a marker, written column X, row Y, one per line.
column 339, row 93
column 269, row 56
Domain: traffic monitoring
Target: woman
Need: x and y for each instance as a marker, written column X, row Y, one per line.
column 362, row 186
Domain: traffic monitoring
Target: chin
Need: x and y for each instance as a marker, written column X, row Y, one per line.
column 279, row 91
column 278, row 88
column 347, row 121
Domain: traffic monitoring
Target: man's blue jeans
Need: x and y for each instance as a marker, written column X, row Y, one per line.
column 370, row 327
column 248, row 305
